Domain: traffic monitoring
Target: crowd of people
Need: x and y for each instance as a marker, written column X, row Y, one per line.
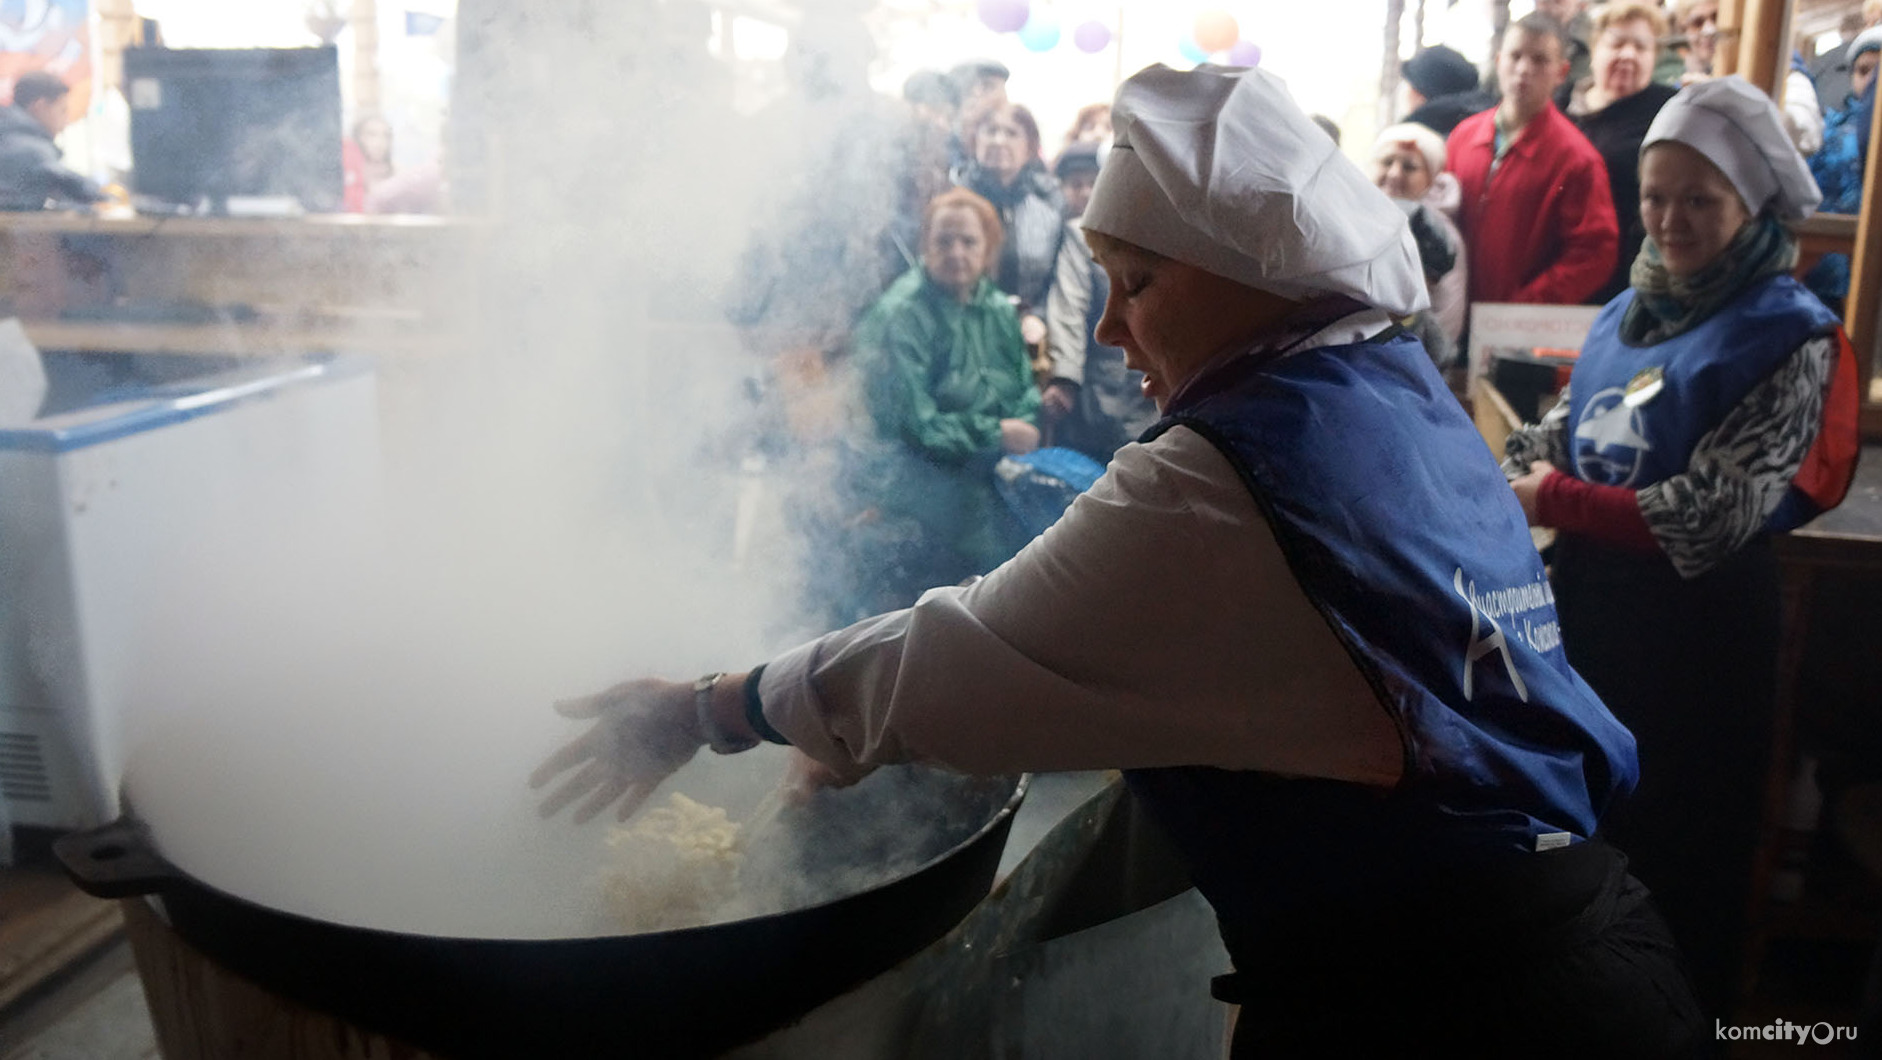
column 1518, row 187
column 972, row 339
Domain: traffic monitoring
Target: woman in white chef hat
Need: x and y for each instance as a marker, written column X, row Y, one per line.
column 1303, row 614
column 1713, row 404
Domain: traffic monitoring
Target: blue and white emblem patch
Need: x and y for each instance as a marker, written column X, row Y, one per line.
column 1609, row 446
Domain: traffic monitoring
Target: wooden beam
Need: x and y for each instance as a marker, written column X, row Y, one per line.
column 1725, row 57
column 1763, row 54
column 1865, row 271
column 364, row 19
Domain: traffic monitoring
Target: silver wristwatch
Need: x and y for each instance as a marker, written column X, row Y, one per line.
column 717, row 738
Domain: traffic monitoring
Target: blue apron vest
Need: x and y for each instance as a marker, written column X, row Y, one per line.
column 1702, row 375
column 1397, row 523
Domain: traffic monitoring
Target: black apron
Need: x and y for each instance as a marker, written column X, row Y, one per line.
column 1691, row 667
column 1520, row 951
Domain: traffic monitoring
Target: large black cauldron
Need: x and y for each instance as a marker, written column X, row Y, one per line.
column 692, row 992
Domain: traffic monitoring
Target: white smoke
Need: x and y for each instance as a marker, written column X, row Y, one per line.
column 335, row 710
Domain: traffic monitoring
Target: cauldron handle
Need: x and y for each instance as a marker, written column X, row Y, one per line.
column 115, row 860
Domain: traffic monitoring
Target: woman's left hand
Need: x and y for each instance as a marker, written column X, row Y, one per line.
column 1529, row 485
column 644, row 732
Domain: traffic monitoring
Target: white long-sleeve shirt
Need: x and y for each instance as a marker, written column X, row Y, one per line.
column 1156, row 624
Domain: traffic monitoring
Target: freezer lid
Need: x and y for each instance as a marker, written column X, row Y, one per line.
column 171, row 403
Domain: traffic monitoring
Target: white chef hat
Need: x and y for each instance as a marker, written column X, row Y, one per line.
column 1738, row 129
column 1219, row 169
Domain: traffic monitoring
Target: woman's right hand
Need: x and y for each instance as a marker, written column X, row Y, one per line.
column 644, row 732
column 1528, row 486
column 1018, row 436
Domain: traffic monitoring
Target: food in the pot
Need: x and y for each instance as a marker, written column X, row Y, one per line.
column 679, row 867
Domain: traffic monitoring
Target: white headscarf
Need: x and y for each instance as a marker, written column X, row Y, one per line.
column 1420, row 138
column 1219, row 169
column 1738, row 129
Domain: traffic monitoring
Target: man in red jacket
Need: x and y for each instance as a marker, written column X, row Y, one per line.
column 1537, row 216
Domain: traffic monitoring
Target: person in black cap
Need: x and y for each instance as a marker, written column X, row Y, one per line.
column 934, row 98
column 1440, row 89
column 976, row 80
column 1077, row 170
column 979, row 84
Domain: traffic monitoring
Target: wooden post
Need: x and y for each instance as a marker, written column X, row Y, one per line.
column 1117, row 42
column 1865, row 271
column 365, row 22
column 118, row 26
column 1388, row 72
column 1725, row 56
column 1763, row 55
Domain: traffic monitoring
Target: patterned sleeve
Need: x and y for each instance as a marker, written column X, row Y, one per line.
column 1740, row 471
column 1547, row 440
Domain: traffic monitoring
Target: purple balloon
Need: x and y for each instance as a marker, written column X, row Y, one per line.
column 1245, row 53
column 1093, row 36
column 1004, row 16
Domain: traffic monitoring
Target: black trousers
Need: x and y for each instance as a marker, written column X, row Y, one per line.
column 1570, row 962
column 1690, row 666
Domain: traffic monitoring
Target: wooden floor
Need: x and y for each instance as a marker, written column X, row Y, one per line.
column 68, row 989
column 46, row 924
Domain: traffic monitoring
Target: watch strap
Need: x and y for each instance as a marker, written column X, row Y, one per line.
column 717, row 738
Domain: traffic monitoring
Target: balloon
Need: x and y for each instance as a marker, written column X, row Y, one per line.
column 1192, row 51
column 1004, row 16
column 1093, row 36
column 1215, row 31
column 1245, row 53
column 1041, row 32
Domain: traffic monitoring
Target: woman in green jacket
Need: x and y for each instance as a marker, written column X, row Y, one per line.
column 948, row 389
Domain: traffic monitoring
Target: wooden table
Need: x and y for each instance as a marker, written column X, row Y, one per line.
column 342, row 283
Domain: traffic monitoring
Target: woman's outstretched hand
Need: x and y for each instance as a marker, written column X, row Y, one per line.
column 644, row 732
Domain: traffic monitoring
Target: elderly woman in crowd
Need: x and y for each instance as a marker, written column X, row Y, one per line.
column 1613, row 107
column 948, row 389
column 1091, row 125
column 1364, row 742
column 1408, row 165
column 1713, row 405
column 1802, row 116
column 1007, row 171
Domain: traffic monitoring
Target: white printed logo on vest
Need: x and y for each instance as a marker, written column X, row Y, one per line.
column 1616, row 449
column 1482, row 644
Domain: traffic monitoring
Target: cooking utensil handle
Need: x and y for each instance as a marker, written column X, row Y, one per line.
column 115, row 860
